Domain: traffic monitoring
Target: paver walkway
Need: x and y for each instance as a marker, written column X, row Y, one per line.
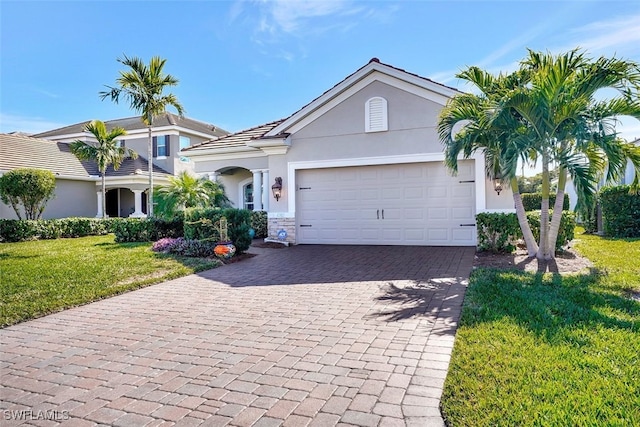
column 308, row 335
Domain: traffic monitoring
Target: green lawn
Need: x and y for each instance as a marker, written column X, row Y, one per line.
column 550, row 350
column 41, row 277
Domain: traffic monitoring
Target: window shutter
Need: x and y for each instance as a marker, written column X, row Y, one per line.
column 167, row 142
column 155, row 146
column 376, row 115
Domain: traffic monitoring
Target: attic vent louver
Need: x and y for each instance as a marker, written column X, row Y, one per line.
column 375, row 111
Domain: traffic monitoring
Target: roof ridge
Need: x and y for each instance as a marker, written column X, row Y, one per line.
column 230, row 135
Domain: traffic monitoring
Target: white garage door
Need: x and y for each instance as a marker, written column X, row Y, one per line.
column 401, row 204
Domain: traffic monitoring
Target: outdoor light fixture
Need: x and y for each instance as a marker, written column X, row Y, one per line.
column 277, row 188
column 497, row 185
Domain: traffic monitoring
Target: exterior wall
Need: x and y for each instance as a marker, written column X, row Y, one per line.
column 495, row 202
column 339, row 133
column 231, row 183
column 72, row 198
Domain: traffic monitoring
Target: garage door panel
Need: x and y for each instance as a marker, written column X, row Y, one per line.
column 438, row 234
column 436, row 214
column 439, row 192
column 422, row 205
column 464, row 213
column 463, row 234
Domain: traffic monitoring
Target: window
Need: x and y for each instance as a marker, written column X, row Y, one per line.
column 122, row 143
column 247, row 196
column 185, row 142
column 161, row 146
column 375, row 111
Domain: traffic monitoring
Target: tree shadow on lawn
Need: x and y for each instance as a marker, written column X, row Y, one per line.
column 549, row 305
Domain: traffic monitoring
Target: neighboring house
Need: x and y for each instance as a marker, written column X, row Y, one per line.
column 78, row 184
column 360, row 164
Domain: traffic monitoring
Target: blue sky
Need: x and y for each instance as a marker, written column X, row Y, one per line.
column 244, row 63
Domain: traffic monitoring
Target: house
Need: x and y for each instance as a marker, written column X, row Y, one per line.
column 78, row 184
column 360, row 164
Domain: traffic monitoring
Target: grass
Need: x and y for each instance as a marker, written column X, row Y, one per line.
column 42, row 277
column 543, row 350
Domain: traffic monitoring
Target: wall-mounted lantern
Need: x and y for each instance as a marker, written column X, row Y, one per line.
column 277, row 188
column 497, row 185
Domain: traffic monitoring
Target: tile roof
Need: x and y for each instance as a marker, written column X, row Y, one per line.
column 131, row 123
column 233, row 140
column 20, row 151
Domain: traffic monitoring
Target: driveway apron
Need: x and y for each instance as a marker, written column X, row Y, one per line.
column 300, row 336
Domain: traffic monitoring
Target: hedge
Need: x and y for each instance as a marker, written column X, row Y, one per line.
column 499, row 232
column 259, row 223
column 16, row 230
column 147, row 230
column 533, row 201
column 204, row 223
column 620, row 211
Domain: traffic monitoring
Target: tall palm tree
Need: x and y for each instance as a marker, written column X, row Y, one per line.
column 570, row 128
column 106, row 151
column 495, row 132
column 187, row 191
column 143, row 87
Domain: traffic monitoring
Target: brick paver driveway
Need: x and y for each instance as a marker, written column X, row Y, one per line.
column 309, row 335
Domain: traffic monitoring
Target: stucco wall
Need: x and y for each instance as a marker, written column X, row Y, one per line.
column 72, row 198
column 340, row 132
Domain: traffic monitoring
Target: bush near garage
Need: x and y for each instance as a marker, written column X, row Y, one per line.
column 532, row 201
column 499, row 232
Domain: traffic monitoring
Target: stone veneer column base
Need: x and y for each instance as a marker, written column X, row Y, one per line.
column 277, row 224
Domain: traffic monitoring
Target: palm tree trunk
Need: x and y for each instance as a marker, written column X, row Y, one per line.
column 150, row 165
column 557, row 211
column 529, row 240
column 543, row 247
column 104, row 195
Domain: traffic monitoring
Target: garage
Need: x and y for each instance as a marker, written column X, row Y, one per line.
column 395, row 204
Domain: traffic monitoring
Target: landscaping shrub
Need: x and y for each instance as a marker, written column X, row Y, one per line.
column 620, row 211
column 239, row 221
column 27, row 190
column 532, row 201
column 498, row 232
column 133, row 230
column 567, row 226
column 200, row 223
column 147, row 230
column 203, row 224
column 181, row 246
column 14, row 230
column 259, row 223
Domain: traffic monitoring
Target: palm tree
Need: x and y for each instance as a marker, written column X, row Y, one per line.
column 106, row 151
column 143, row 87
column 567, row 126
column 497, row 133
column 187, row 191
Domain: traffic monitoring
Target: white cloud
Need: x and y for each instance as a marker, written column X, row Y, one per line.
column 11, row 123
column 619, row 36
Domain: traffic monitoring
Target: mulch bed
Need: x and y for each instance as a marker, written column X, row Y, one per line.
column 568, row 261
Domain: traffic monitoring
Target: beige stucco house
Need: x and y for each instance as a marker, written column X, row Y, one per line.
column 78, row 184
column 360, row 164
